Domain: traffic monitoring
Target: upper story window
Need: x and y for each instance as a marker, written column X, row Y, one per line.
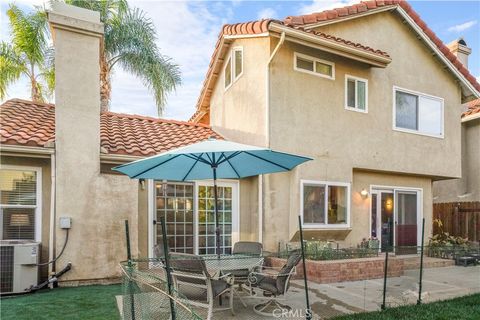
column 234, row 66
column 325, row 204
column 19, row 204
column 315, row 66
column 356, row 94
column 418, row 113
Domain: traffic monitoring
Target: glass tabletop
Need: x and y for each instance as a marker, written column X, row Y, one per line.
column 231, row 262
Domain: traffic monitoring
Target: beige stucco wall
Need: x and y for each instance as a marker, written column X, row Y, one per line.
column 307, row 116
column 468, row 187
column 44, row 164
column 97, row 203
column 238, row 113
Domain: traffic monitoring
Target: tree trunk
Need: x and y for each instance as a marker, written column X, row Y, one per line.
column 35, row 93
column 105, row 86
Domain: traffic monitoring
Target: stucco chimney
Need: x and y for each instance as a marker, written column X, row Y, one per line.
column 77, row 35
column 460, row 49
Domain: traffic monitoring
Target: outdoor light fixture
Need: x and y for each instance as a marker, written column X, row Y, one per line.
column 142, row 183
column 364, row 193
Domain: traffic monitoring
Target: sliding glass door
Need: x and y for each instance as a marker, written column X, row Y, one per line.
column 395, row 218
column 407, row 226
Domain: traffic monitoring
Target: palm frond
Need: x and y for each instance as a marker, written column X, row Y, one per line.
column 131, row 41
column 11, row 67
column 29, row 33
column 48, row 71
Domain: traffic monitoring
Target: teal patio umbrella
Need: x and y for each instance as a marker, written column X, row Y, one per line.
column 211, row 159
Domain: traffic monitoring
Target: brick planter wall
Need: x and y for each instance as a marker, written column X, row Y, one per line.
column 345, row 270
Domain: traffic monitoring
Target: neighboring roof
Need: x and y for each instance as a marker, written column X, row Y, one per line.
column 473, row 110
column 258, row 28
column 365, row 6
column 28, row 123
column 305, row 23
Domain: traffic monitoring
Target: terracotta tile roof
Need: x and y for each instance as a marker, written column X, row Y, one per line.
column 25, row 123
column 257, row 28
column 473, row 108
column 364, row 6
column 33, row 124
column 144, row 136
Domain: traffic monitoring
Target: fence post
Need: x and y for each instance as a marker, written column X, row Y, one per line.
column 419, row 301
column 129, row 258
column 308, row 311
column 385, row 279
column 167, row 267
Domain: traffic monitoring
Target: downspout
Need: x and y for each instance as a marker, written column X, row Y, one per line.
column 51, row 242
column 267, row 136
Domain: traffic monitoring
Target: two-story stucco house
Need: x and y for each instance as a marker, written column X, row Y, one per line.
column 367, row 91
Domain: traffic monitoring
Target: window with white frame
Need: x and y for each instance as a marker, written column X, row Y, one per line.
column 356, row 93
column 418, row 113
column 325, row 204
column 234, row 66
column 19, row 204
column 315, row 66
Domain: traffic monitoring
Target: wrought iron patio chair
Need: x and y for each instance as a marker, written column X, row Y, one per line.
column 274, row 283
column 192, row 279
column 240, row 276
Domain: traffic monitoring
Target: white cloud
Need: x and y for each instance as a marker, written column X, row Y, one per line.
column 321, row 5
column 463, row 26
column 187, row 33
column 267, row 13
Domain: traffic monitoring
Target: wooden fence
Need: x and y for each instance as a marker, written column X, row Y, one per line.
column 459, row 219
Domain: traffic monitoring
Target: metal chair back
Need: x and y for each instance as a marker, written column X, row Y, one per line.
column 248, row 248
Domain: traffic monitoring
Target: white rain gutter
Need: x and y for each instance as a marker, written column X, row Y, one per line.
column 267, row 136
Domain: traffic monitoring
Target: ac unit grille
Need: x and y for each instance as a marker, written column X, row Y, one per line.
column 6, row 269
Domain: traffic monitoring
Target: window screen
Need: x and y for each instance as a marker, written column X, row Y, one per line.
column 18, row 204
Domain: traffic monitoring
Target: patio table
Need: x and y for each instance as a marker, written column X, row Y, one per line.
column 225, row 263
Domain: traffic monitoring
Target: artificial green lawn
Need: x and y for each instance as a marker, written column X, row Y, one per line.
column 98, row 302
column 463, row 308
column 88, row 302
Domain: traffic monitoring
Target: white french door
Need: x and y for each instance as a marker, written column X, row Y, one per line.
column 189, row 214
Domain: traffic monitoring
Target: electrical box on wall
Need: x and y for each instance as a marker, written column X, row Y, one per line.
column 65, row 222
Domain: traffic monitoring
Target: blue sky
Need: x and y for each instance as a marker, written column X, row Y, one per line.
column 188, row 31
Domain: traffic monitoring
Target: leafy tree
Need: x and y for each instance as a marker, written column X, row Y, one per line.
column 28, row 54
column 130, row 41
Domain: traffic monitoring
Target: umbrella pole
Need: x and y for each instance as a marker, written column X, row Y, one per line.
column 215, row 194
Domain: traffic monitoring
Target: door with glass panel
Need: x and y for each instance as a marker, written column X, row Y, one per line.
column 189, row 214
column 206, row 218
column 382, row 218
column 174, row 202
column 406, row 222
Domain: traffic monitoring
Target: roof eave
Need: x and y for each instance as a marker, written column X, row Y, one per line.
column 312, row 40
column 471, row 117
column 26, row 151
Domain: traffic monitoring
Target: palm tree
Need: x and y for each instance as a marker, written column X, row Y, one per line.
column 130, row 41
column 28, row 54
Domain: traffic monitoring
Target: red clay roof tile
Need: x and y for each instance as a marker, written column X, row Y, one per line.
column 33, row 124
column 473, row 107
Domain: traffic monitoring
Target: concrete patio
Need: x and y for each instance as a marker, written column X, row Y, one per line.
column 335, row 299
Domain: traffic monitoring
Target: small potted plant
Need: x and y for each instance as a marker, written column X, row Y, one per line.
column 373, row 243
